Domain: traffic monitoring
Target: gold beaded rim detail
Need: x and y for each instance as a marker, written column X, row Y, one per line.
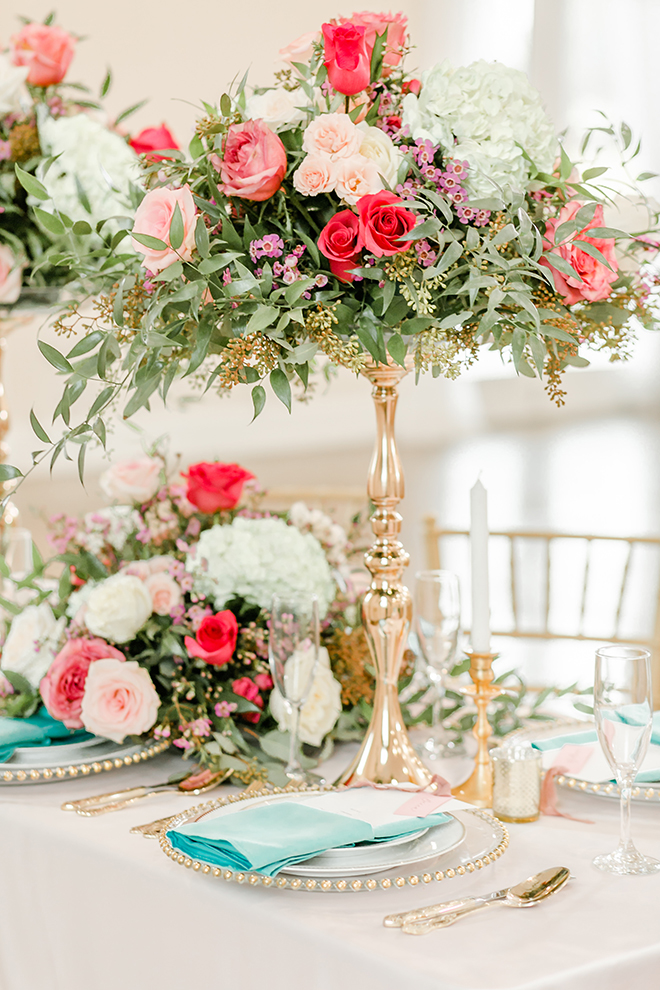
column 323, row 884
column 36, row 775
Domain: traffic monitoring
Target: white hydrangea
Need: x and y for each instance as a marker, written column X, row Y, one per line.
column 101, row 161
column 111, row 525
column 484, row 113
column 256, row 558
column 330, row 534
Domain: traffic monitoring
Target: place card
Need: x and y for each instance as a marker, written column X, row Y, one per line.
column 422, row 804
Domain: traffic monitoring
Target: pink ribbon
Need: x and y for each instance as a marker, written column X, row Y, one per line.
column 548, row 803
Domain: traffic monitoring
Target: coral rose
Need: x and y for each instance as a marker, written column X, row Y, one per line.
column 315, row 175
column 214, row 486
column 596, row 277
column 383, row 220
column 153, row 139
column 165, row 592
column 248, row 689
column 216, row 638
column 11, row 275
column 396, row 26
column 63, row 686
column 46, row 50
column 347, row 57
column 340, row 242
column 132, row 481
column 120, row 700
column 154, row 216
column 253, row 163
column 333, row 136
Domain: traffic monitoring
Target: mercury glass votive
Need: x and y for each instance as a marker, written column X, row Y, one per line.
column 516, row 783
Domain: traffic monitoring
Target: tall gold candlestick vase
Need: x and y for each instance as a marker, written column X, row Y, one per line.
column 386, row 755
column 478, row 788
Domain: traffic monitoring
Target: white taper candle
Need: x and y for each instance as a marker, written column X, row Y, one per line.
column 480, row 635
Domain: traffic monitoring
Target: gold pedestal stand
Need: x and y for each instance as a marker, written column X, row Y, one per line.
column 478, row 788
column 386, row 755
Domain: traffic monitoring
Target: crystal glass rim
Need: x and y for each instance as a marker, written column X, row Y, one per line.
column 622, row 652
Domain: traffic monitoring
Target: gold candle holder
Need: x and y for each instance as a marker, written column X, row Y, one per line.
column 478, row 788
column 386, row 755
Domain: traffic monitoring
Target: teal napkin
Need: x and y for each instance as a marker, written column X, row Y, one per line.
column 556, row 742
column 40, row 729
column 270, row 837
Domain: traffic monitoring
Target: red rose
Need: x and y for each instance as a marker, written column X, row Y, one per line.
column 341, row 243
column 216, row 639
column 153, row 139
column 396, row 26
column 382, row 221
column 248, row 689
column 253, row 163
column 411, row 86
column 347, row 57
column 215, row 486
column 63, row 686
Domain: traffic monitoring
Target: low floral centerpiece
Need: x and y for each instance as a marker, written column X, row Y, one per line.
column 158, row 625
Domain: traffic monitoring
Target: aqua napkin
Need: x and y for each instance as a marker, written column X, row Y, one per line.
column 270, row 837
column 556, row 742
column 39, row 729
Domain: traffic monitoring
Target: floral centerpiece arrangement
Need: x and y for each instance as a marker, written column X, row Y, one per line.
column 351, row 213
column 64, row 168
column 159, row 624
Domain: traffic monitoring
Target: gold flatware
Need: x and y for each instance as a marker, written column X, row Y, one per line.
column 525, row 894
column 100, row 804
column 152, row 829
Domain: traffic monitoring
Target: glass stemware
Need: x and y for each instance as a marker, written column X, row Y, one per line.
column 437, row 621
column 293, row 653
column 624, row 713
column 17, row 552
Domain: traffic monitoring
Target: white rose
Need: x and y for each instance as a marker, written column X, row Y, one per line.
column 356, row 177
column 12, row 85
column 378, row 146
column 132, row 481
column 117, row 608
column 323, row 706
column 33, row 641
column 279, row 108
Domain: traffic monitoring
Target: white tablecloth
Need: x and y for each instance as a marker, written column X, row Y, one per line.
column 84, row 905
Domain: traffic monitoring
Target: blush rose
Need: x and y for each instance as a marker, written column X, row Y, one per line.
column 120, row 700
column 383, row 220
column 333, row 136
column 165, row 592
column 214, row 486
column 347, row 57
column 63, row 687
column 11, row 275
column 215, row 640
column 595, row 278
column 154, row 216
column 46, row 50
column 315, row 175
column 152, row 140
column 253, row 164
column 341, row 243
column 132, row 481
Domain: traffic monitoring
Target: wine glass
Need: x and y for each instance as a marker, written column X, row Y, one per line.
column 437, row 621
column 17, row 547
column 293, row 654
column 624, row 713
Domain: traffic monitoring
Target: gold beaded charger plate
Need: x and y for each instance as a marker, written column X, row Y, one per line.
column 647, row 791
column 484, row 840
column 48, row 764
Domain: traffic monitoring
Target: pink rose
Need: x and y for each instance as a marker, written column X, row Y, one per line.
column 347, row 57
column 154, row 216
column 333, row 136
column 213, row 486
column 248, row 689
column 357, row 177
column 216, row 638
column 340, row 242
column 264, row 682
column 63, row 687
column 120, row 700
column 253, row 163
column 396, row 26
column 302, row 49
column 161, row 563
column 315, row 175
column 46, row 50
column 165, row 592
column 152, row 140
column 11, row 275
column 132, row 481
column 596, row 277
column 383, row 220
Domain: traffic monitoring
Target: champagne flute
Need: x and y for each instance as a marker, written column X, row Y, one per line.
column 624, row 713
column 437, row 620
column 293, row 654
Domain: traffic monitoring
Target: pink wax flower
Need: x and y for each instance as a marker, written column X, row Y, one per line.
column 253, row 164
column 46, row 50
column 263, row 681
column 154, row 216
column 247, row 689
column 347, row 57
column 223, row 709
column 595, row 278
column 63, row 687
column 200, row 727
column 120, row 700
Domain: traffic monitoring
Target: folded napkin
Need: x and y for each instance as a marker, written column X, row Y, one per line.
column 590, row 735
column 267, row 838
column 37, row 730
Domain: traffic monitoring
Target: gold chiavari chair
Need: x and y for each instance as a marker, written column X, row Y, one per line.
column 564, row 589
